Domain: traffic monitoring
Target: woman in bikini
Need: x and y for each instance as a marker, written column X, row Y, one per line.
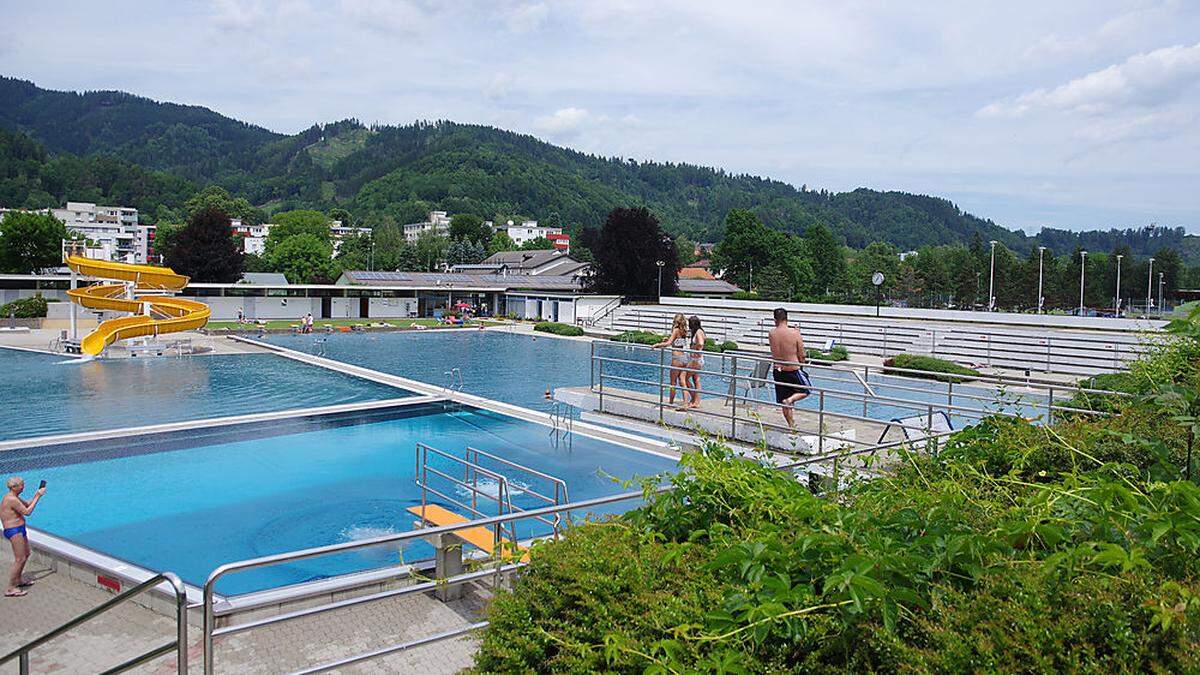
column 691, row 376
column 678, row 342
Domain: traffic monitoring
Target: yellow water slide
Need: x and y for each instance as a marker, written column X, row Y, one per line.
column 152, row 314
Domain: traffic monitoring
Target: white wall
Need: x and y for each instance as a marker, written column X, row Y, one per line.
column 392, row 308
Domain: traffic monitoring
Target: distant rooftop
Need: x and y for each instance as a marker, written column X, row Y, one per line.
column 264, row 279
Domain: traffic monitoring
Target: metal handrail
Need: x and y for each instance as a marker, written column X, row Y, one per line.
column 178, row 645
column 470, row 482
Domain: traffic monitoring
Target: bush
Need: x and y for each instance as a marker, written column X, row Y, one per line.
column 743, row 295
column 641, row 337
column 25, row 308
column 711, row 345
column 838, row 353
column 929, row 363
column 558, row 328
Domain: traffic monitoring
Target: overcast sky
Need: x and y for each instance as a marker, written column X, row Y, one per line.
column 1071, row 113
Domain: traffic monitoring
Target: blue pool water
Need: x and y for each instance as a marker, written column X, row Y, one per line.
column 44, row 394
column 189, row 504
column 518, row 369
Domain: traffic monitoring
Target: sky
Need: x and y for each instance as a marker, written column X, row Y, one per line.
column 1078, row 114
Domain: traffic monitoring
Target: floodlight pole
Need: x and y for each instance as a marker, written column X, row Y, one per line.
column 1041, row 299
column 1149, row 285
column 992, row 279
column 1082, row 272
column 1117, row 302
column 660, row 264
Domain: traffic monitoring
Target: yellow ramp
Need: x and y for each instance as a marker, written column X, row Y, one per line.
column 152, row 314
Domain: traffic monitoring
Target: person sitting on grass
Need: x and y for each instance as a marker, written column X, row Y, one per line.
column 13, row 511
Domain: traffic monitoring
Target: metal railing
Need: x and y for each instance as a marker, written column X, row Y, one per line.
column 469, row 482
column 177, row 645
column 500, row 567
column 603, row 313
column 601, row 382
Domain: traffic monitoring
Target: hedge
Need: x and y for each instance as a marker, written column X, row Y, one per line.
column 1016, row 548
column 25, row 308
column 558, row 328
column 642, row 337
column 929, row 363
column 838, row 353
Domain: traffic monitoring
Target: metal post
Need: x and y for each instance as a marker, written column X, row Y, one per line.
column 733, row 402
column 661, row 372
column 949, row 394
column 592, row 366
column 24, row 663
column 181, row 635
column 208, row 628
column 600, row 367
column 1050, row 407
column 74, row 325
column 821, row 422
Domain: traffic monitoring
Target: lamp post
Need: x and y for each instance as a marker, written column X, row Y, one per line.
column 1160, row 295
column 1082, row 272
column 1149, row 286
column 1041, row 298
column 660, row 264
column 877, row 281
column 992, row 279
column 1117, row 300
column 978, row 276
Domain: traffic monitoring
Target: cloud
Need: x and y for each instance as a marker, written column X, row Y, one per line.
column 1143, row 79
column 563, row 122
column 388, row 17
column 235, row 15
column 527, row 18
column 1151, row 126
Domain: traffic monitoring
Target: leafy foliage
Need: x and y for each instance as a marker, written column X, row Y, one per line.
column 205, row 249
column 558, row 328
column 931, row 365
column 630, row 246
column 642, row 337
column 304, row 259
column 30, row 242
column 34, row 307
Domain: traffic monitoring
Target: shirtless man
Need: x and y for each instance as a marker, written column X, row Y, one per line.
column 787, row 349
column 13, row 511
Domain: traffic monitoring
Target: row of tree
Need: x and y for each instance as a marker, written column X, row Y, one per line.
column 815, row 267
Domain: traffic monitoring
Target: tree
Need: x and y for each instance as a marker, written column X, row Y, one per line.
column 469, row 227
column 537, row 244
column 749, row 248
column 166, row 235
column 30, row 242
column 631, row 244
column 430, row 250
column 465, row 252
column 500, row 242
column 686, row 249
column 291, row 223
column 304, row 259
column 828, row 259
column 205, row 249
column 355, row 252
column 341, row 215
column 219, row 198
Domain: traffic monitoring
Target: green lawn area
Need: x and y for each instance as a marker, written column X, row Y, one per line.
column 320, row 323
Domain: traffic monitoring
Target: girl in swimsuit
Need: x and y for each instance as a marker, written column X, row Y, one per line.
column 678, row 342
column 695, row 361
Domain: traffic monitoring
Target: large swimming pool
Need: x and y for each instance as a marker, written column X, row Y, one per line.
column 188, row 502
column 43, row 394
column 519, row 369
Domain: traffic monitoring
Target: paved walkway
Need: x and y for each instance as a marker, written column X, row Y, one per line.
column 111, row 638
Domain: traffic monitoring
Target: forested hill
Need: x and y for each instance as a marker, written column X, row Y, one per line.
column 397, row 173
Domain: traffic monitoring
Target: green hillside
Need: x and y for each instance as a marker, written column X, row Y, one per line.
column 397, row 173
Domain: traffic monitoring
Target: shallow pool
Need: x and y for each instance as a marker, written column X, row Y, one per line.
column 190, row 502
column 43, row 394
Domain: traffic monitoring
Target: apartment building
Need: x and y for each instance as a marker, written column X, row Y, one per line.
column 437, row 222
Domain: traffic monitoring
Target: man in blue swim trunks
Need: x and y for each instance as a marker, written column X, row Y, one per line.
column 13, row 511
column 787, row 351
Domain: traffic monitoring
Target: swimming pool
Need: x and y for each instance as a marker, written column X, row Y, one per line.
column 46, row 394
column 519, row 369
column 188, row 502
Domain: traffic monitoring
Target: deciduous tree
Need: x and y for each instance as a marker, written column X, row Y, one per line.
column 205, row 249
column 30, row 242
column 630, row 245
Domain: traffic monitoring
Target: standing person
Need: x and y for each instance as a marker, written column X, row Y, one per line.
column 241, row 315
column 787, row 350
column 308, row 323
column 695, row 360
column 13, row 511
column 678, row 342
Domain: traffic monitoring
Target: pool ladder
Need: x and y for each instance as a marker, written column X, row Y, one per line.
column 562, row 424
column 454, row 382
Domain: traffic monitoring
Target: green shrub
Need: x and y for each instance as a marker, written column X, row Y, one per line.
column 25, row 308
column 728, row 345
column 838, row 353
column 743, row 295
column 558, row 328
column 929, row 363
column 711, row 345
column 642, row 337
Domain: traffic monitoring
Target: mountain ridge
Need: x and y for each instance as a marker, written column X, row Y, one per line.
column 395, row 173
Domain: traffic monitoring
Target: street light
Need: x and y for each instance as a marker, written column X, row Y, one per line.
column 1082, row 270
column 1117, row 302
column 992, row 280
column 975, row 300
column 1041, row 298
column 1160, row 295
column 660, row 266
column 1149, row 287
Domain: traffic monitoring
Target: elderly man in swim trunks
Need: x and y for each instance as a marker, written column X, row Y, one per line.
column 13, row 511
column 787, row 350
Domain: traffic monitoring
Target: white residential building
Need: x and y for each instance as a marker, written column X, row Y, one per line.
column 437, row 222
column 338, row 232
column 113, row 231
column 529, row 230
column 254, row 237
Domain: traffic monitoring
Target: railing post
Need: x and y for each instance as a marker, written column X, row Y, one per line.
column 1050, row 407
column 24, row 663
column 733, row 402
column 600, row 377
column 181, row 628
column 592, row 365
column 821, row 422
column 950, row 393
column 661, row 372
column 208, row 627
